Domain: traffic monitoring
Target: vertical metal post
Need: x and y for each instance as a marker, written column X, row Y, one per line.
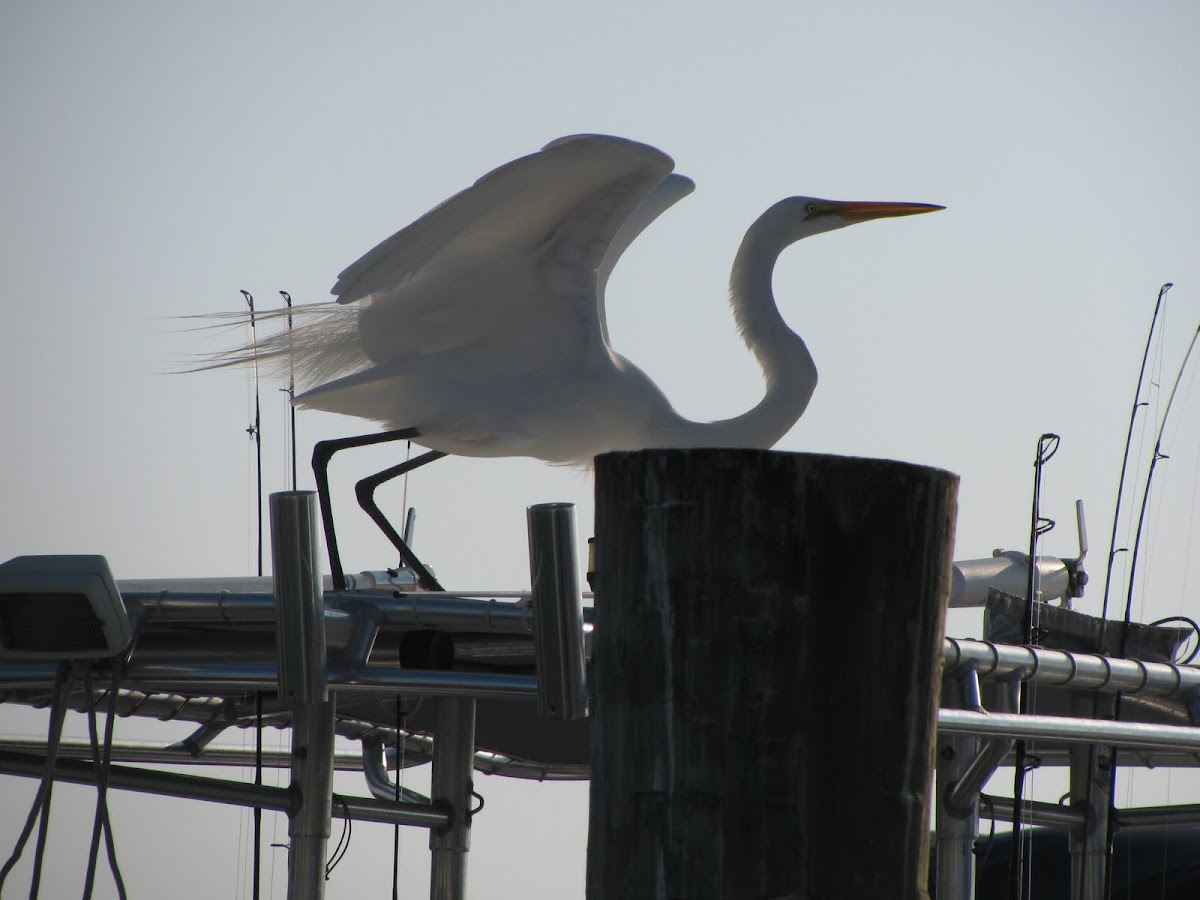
column 300, row 643
column 955, row 832
column 1090, row 784
column 453, row 759
column 557, row 612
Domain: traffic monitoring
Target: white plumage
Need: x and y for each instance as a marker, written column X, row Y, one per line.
column 482, row 323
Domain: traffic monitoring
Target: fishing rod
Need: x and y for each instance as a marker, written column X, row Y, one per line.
column 1138, row 403
column 1133, row 557
column 1046, row 448
column 1154, row 458
column 290, row 390
column 255, row 430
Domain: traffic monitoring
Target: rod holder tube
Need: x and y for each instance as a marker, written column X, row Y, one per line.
column 303, row 683
column 557, row 611
column 955, row 834
column 299, row 606
column 453, row 790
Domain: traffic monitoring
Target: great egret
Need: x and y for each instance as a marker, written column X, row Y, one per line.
column 479, row 329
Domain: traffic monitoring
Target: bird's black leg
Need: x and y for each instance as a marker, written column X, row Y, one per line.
column 322, row 454
column 365, row 491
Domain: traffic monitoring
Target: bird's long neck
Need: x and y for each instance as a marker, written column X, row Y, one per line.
column 788, row 368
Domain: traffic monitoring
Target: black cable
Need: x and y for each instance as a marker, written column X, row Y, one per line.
column 102, row 762
column 1191, row 623
column 63, row 679
column 396, row 828
column 89, row 878
column 343, row 844
column 258, row 779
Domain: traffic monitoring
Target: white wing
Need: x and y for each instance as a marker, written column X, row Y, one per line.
column 670, row 191
column 511, row 268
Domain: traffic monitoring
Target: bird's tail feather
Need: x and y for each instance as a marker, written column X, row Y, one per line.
column 323, row 344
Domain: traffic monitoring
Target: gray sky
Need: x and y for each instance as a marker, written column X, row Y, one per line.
column 157, row 158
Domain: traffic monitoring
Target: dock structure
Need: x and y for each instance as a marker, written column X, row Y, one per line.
column 732, row 754
column 759, row 621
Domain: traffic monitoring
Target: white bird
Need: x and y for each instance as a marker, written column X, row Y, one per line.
column 479, row 329
column 481, row 325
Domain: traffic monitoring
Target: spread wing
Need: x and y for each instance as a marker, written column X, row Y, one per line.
column 512, row 269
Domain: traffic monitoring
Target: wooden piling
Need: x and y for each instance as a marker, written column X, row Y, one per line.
column 765, row 671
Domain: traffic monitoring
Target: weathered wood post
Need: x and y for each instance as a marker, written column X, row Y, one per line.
column 766, row 669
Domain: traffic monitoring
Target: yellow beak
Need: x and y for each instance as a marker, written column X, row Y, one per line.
column 862, row 210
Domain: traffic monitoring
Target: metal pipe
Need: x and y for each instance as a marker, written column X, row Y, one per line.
column 453, row 790
column 955, row 833
column 299, row 605
column 368, row 809
column 217, row 790
column 1062, row 728
column 381, row 786
column 1183, row 814
column 434, row 683
column 1078, row 671
column 558, row 617
column 173, row 754
column 300, row 643
column 1089, row 793
column 961, row 797
column 150, row 781
column 221, row 678
column 1033, row 812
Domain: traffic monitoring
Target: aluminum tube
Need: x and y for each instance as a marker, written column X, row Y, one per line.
column 1089, row 794
column 195, row 608
column 497, row 649
column 452, row 789
column 299, row 605
column 380, row 784
column 434, row 683
column 173, row 755
column 368, row 809
column 1179, row 815
column 955, row 834
column 219, row 678
column 961, row 797
column 300, row 644
column 1079, row 671
column 557, row 612
column 237, row 584
column 312, row 777
column 234, row 793
column 1056, row 756
column 481, row 612
column 150, row 781
column 1033, row 812
column 448, row 613
column 1062, row 728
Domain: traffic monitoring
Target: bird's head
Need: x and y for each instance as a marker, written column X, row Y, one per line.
column 800, row 217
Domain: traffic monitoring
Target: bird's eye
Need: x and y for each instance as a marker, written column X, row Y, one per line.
column 810, row 208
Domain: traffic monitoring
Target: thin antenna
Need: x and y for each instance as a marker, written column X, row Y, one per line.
column 1137, row 404
column 255, row 430
column 290, row 390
